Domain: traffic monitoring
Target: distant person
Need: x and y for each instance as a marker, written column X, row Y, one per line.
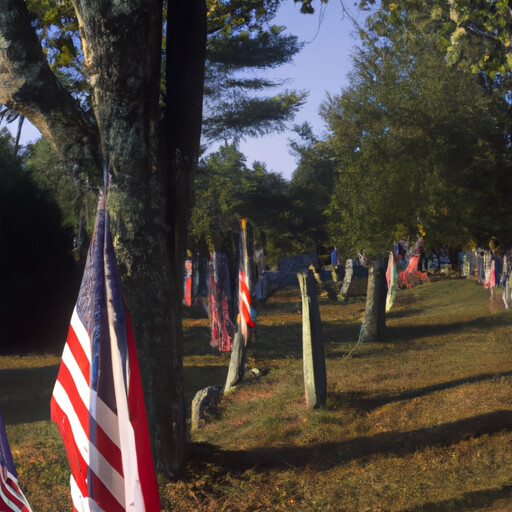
column 334, row 256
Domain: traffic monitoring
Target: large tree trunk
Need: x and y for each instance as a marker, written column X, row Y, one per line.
column 186, row 50
column 374, row 321
column 121, row 43
column 123, row 54
column 148, row 202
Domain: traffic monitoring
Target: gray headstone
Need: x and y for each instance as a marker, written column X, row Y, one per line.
column 204, row 403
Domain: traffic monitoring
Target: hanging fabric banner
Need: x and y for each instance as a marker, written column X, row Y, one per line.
column 392, row 280
column 97, row 401
column 219, row 297
column 247, row 315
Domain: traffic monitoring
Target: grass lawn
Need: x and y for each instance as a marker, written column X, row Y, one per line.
column 421, row 421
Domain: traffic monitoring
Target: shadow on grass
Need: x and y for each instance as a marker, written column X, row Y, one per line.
column 340, row 333
column 199, row 377
column 324, row 456
column 413, row 332
column 474, row 500
column 369, row 404
column 404, row 313
column 25, row 393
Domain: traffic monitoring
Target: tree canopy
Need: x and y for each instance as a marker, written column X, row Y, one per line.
column 236, row 101
column 227, row 190
column 419, row 145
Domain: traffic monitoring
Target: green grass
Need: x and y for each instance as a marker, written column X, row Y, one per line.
column 419, row 421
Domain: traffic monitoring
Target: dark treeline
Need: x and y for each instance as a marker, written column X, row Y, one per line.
column 39, row 272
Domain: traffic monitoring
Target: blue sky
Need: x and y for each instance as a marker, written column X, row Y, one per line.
column 320, row 68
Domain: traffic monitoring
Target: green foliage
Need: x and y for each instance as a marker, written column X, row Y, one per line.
column 245, row 49
column 57, row 28
column 307, row 5
column 482, row 36
column 236, row 103
column 474, row 36
column 416, row 142
column 251, row 116
column 228, row 16
column 287, row 217
column 310, row 190
column 227, row 190
column 68, row 193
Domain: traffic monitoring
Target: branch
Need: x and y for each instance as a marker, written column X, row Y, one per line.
column 474, row 29
column 28, row 85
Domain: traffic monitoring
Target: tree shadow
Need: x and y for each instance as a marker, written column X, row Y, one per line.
column 473, row 500
column 332, row 332
column 424, row 330
column 364, row 403
column 198, row 377
column 403, row 313
column 25, row 393
column 324, row 456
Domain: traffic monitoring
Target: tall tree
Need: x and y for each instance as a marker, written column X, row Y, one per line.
column 39, row 272
column 151, row 188
column 310, row 189
column 412, row 138
column 227, row 190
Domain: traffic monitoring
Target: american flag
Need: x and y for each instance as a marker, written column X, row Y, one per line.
column 11, row 497
column 97, row 401
column 246, row 311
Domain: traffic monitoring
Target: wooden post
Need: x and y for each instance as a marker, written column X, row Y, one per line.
column 315, row 379
column 237, row 362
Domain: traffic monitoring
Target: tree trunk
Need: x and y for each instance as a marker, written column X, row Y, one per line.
column 374, row 321
column 121, row 43
column 315, row 380
column 186, row 50
column 148, row 202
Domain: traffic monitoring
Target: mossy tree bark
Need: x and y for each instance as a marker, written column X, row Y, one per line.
column 151, row 191
column 374, row 321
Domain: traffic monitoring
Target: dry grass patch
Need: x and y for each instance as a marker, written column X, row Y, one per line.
column 421, row 421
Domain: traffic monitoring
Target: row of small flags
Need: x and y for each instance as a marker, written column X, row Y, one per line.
column 97, row 402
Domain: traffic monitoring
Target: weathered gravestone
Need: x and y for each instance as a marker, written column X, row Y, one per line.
column 355, row 281
column 237, row 362
column 315, row 379
column 203, row 405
